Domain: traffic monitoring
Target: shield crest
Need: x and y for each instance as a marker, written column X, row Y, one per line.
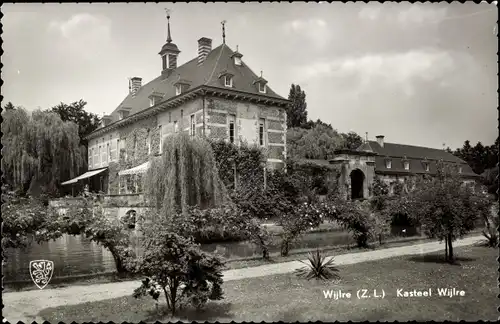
column 41, row 272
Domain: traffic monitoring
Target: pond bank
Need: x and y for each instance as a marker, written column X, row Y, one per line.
column 110, row 276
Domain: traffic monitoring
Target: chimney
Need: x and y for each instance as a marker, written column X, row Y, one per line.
column 380, row 140
column 134, row 85
column 204, row 47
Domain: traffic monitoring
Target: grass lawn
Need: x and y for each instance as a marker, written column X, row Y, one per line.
column 287, row 298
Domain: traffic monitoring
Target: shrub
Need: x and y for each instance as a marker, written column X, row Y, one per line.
column 176, row 265
column 318, row 267
column 305, row 216
column 491, row 226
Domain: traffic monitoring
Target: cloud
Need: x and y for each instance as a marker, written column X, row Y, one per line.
column 392, row 69
column 314, row 30
column 420, row 14
column 370, row 13
column 83, row 33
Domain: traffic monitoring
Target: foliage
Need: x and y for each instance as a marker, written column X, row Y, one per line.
column 295, row 223
column 319, row 142
column 87, row 122
column 39, row 151
column 312, row 179
column 297, row 113
column 223, row 222
column 479, row 157
column 185, row 175
column 490, row 180
column 177, row 266
column 110, row 232
column 445, row 208
column 26, row 220
column 246, row 159
column 351, row 140
column 311, row 124
column 492, row 222
column 318, row 267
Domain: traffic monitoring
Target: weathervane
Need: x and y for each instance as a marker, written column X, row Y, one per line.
column 169, row 38
column 223, row 31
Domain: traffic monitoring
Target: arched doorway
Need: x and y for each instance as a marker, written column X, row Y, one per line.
column 357, row 180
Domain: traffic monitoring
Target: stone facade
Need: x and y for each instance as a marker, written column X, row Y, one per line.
column 351, row 163
column 136, row 143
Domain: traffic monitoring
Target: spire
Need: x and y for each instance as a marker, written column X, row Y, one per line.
column 169, row 37
column 223, row 31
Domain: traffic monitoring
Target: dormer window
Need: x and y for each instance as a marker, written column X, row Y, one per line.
column 237, row 57
column 406, row 165
column 237, row 61
column 228, row 81
column 178, row 89
column 388, row 164
column 459, row 169
column 151, row 102
column 426, row 166
column 262, row 88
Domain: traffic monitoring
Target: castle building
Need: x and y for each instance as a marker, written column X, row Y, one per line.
column 215, row 95
column 392, row 163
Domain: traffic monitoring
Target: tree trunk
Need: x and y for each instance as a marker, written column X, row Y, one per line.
column 446, row 249
column 166, row 297
column 120, row 267
column 284, row 248
column 450, row 248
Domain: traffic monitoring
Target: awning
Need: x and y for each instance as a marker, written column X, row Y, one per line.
column 136, row 170
column 86, row 175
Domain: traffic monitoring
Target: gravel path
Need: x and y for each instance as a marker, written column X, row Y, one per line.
column 25, row 305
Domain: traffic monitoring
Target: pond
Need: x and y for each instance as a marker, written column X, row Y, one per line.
column 76, row 255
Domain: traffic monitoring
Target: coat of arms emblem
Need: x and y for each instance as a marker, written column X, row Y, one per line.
column 41, row 272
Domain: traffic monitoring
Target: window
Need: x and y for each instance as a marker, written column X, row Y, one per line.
column 193, row 126
column 91, row 153
column 178, row 89
column 99, row 155
column 108, row 152
column 406, row 165
column 169, row 117
column 426, row 165
column 151, row 102
column 228, row 81
column 388, row 164
column 262, row 139
column 237, row 60
column 459, row 169
column 262, row 88
column 160, row 131
column 231, row 129
column 176, row 128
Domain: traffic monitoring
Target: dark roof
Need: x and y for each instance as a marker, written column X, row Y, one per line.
column 416, row 166
column 218, row 60
column 411, row 151
column 365, row 147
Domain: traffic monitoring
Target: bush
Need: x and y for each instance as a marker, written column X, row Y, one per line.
column 305, row 216
column 176, row 265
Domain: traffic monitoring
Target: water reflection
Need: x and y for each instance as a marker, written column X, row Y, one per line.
column 77, row 255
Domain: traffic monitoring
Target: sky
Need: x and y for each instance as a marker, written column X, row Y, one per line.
column 420, row 74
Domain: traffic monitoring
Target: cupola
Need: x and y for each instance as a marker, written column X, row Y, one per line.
column 169, row 53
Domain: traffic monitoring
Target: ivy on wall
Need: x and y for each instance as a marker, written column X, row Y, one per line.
column 246, row 159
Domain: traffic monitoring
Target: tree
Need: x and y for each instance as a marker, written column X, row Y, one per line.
column 75, row 112
column 351, row 140
column 176, row 265
column 319, row 142
column 445, row 207
column 297, row 113
column 39, row 150
column 311, row 124
column 185, row 175
column 9, row 106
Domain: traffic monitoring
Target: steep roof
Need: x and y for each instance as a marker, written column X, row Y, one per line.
column 411, row 151
column 218, row 60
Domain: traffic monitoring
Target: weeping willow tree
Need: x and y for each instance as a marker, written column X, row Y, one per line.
column 39, row 151
column 185, row 175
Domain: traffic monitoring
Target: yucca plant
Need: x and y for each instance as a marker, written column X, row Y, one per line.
column 318, row 268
